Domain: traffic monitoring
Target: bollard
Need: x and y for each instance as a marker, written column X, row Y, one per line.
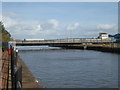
column 9, row 49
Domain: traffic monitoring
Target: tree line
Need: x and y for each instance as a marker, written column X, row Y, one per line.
column 5, row 36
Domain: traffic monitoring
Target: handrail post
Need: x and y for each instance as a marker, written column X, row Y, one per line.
column 12, row 68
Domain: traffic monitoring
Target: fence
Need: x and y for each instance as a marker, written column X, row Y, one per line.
column 9, row 68
column 16, row 72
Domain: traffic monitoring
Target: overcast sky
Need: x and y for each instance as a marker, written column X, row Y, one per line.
column 52, row 20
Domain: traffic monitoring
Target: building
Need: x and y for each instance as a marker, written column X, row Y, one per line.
column 103, row 35
column 116, row 37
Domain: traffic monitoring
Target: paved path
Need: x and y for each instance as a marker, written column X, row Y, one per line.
column 28, row 80
column 4, row 63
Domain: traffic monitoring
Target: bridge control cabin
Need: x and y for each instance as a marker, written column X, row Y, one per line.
column 103, row 35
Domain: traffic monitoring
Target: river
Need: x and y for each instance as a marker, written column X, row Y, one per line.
column 71, row 68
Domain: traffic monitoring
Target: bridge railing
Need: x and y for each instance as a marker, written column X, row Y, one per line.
column 82, row 40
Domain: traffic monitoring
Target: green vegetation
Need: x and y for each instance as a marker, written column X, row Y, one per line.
column 4, row 37
column 4, row 34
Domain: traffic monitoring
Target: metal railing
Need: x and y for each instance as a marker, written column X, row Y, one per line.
column 16, row 72
column 74, row 40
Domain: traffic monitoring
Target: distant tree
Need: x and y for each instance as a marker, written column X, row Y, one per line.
column 5, row 36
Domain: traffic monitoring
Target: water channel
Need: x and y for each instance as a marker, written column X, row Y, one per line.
column 71, row 68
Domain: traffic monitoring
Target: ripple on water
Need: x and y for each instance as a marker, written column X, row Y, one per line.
column 73, row 68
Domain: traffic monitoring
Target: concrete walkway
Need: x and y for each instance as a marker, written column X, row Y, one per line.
column 4, row 63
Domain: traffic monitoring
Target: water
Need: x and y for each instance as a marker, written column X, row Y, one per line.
column 73, row 68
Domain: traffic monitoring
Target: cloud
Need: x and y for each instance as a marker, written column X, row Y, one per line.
column 55, row 23
column 107, row 26
column 11, row 14
column 73, row 26
column 52, row 29
column 28, row 29
column 36, row 29
column 51, row 24
column 20, row 28
column 0, row 17
column 9, row 22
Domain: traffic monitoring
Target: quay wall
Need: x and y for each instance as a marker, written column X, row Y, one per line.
column 28, row 79
column 108, row 47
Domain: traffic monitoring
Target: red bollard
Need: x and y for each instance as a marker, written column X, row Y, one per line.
column 9, row 51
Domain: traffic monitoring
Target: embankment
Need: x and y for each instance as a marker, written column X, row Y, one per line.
column 108, row 47
column 28, row 80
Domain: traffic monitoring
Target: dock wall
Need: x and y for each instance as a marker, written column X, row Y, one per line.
column 28, row 79
column 108, row 47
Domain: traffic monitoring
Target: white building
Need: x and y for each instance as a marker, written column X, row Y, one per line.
column 103, row 35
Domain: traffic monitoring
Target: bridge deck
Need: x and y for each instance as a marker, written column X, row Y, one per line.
column 63, row 41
